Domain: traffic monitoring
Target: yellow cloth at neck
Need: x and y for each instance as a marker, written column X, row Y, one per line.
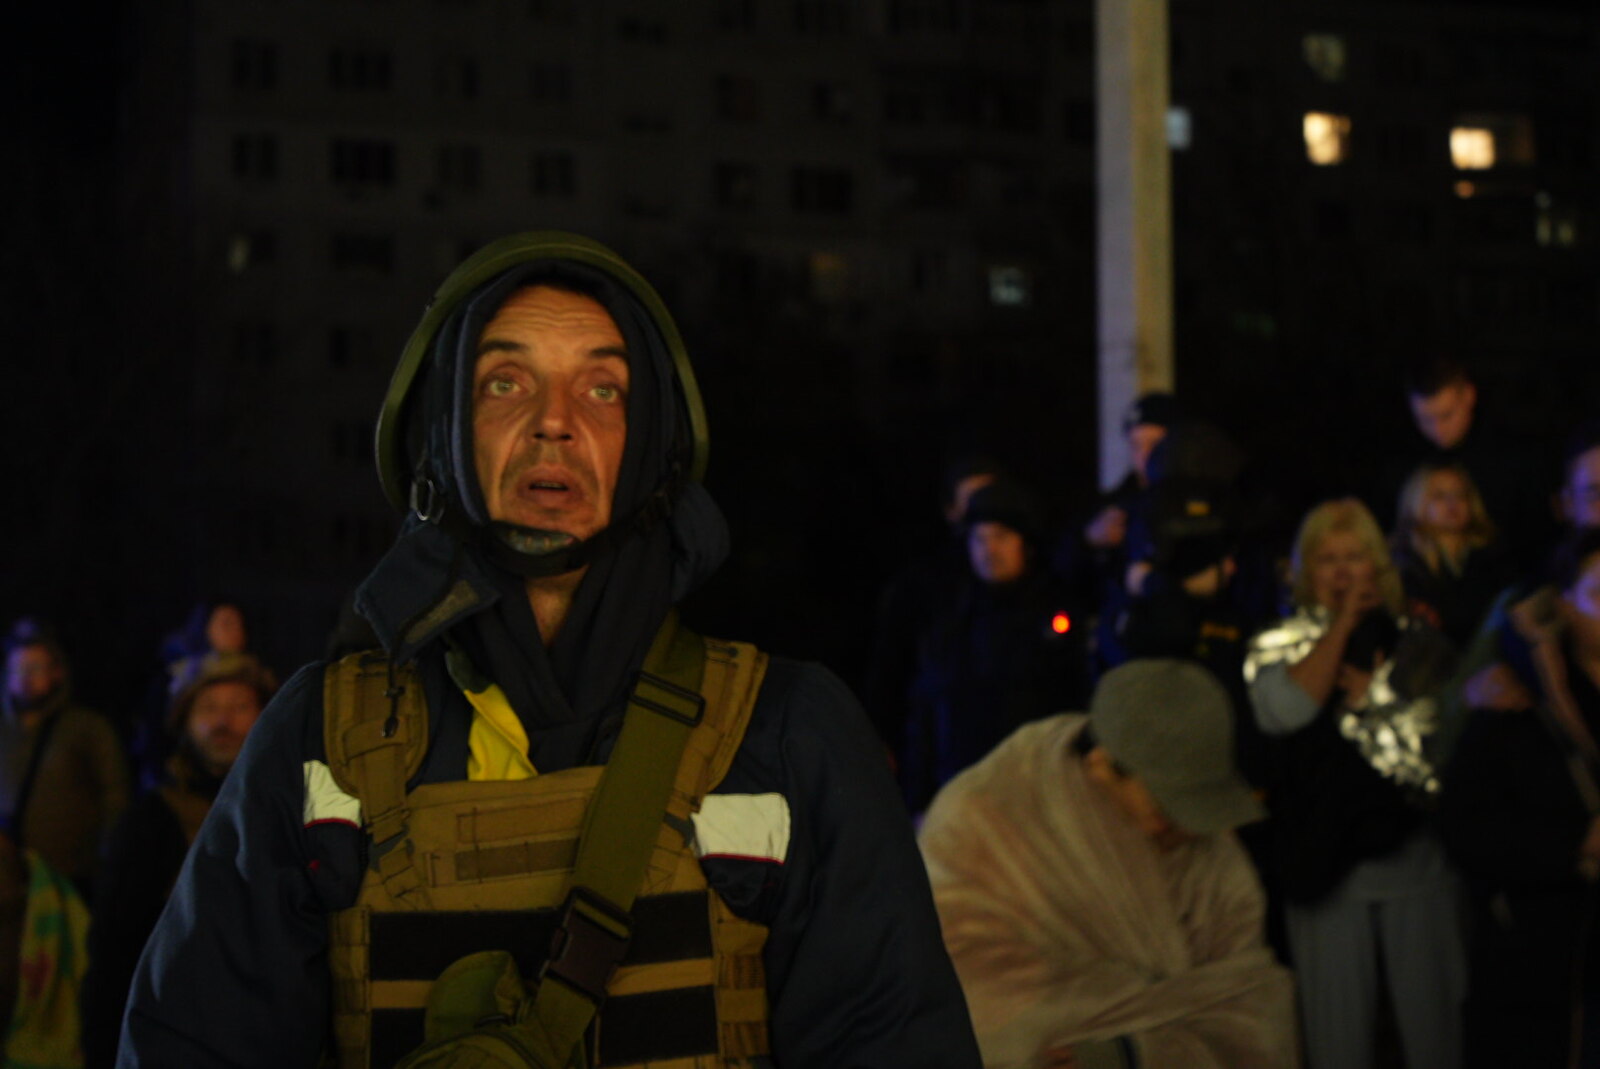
column 497, row 747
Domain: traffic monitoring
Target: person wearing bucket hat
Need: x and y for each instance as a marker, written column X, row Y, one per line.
column 216, row 701
column 1098, row 908
column 410, row 819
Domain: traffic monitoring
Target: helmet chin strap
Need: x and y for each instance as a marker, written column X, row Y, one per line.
column 536, row 553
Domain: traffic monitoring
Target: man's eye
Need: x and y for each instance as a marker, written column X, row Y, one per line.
column 498, row 387
column 607, row 393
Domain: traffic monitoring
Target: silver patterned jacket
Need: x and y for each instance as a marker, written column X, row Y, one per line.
column 1395, row 722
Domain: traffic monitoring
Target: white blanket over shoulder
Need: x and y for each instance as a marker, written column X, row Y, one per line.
column 1066, row 924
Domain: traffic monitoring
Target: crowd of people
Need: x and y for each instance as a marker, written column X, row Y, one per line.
column 1415, row 704
column 1182, row 796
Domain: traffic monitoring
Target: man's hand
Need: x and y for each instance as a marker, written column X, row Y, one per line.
column 1497, row 687
column 1108, row 528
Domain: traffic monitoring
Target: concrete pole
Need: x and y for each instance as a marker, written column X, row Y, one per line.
column 1134, row 194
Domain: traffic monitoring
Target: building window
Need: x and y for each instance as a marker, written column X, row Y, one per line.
column 646, row 31
column 1484, row 140
column 1555, row 225
column 255, row 343
column 928, row 183
column 738, row 98
column 904, row 107
column 351, row 346
column 1010, row 286
column 550, row 83
column 255, row 65
column 456, row 77
column 1180, row 128
column 930, row 270
column 362, row 252
column 927, row 16
column 460, row 168
column 821, row 190
column 831, row 103
column 1401, row 144
column 1325, row 55
column 255, row 157
column 734, row 185
column 553, row 12
column 251, row 249
column 824, row 18
column 1327, row 137
column 361, row 162
column 359, row 70
column 736, row 14
column 552, row 174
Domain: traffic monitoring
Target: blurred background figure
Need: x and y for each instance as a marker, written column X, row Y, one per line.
column 213, row 627
column 1093, row 557
column 63, row 783
column 218, row 698
column 1580, row 488
column 1097, row 907
column 1004, row 649
column 923, row 585
column 1452, row 565
column 63, row 778
column 1347, row 682
column 1521, row 814
column 1508, row 471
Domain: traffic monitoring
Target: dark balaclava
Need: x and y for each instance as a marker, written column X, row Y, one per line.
column 666, row 534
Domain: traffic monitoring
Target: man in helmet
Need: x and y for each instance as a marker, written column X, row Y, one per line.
column 440, row 797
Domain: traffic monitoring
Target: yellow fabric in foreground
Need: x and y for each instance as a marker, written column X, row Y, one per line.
column 497, row 747
column 45, row 1024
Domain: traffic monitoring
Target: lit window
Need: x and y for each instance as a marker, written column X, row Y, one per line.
column 1325, row 55
column 1327, row 137
column 1180, row 128
column 1480, row 140
column 1472, row 148
column 1010, row 286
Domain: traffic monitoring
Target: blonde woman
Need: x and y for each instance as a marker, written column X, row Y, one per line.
column 1343, row 682
column 1451, row 563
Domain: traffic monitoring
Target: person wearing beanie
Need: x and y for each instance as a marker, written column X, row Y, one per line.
column 1097, row 905
column 216, row 702
column 1002, row 649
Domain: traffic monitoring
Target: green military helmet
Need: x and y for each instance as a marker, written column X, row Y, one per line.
column 479, row 268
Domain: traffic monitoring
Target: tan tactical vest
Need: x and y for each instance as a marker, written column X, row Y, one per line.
column 484, row 865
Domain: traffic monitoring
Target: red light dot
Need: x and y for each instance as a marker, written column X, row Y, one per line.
column 1061, row 623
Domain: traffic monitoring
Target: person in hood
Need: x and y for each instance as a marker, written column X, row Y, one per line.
column 545, row 431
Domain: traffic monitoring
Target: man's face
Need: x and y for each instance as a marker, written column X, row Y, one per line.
column 222, row 715
column 1581, row 495
column 1129, row 794
column 32, row 674
column 1142, row 441
column 998, row 553
column 549, row 411
column 1444, row 418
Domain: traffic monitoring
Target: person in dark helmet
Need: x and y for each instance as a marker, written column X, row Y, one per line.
column 544, row 818
column 216, row 701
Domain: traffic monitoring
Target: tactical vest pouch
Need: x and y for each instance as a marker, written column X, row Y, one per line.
column 478, row 1018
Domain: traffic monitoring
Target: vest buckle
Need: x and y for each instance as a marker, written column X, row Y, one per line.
column 588, row 944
